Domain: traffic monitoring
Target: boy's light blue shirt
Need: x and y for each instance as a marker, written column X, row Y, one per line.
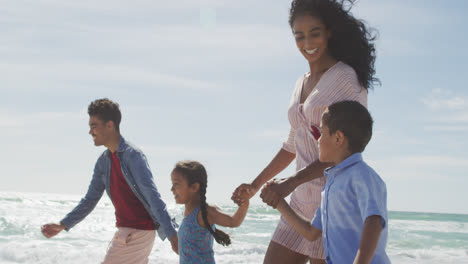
column 137, row 173
column 353, row 192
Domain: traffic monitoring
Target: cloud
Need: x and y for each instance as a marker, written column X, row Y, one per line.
column 421, row 166
column 46, row 76
column 448, row 128
column 186, row 152
column 20, row 120
column 56, row 30
column 404, row 25
column 137, row 5
column 56, row 51
column 446, row 106
column 273, row 134
column 400, row 13
column 439, row 99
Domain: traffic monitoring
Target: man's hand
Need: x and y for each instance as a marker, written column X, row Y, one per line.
column 175, row 243
column 242, row 193
column 276, row 190
column 50, row 230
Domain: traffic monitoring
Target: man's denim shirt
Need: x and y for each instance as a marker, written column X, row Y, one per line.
column 138, row 175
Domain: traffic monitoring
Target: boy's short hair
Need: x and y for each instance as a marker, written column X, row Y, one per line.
column 106, row 110
column 351, row 118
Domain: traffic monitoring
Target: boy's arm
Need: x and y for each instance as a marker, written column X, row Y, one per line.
column 369, row 239
column 283, row 187
column 298, row 222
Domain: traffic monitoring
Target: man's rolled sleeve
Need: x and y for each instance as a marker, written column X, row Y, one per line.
column 88, row 203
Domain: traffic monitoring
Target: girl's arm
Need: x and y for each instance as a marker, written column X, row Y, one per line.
column 282, row 160
column 283, row 187
column 298, row 222
column 218, row 217
column 369, row 239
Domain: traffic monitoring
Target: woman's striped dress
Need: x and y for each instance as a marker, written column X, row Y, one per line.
column 338, row 83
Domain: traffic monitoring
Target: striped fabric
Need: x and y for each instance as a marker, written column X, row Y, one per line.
column 337, row 84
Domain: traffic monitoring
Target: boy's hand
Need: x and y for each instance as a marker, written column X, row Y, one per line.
column 270, row 196
column 369, row 239
column 281, row 187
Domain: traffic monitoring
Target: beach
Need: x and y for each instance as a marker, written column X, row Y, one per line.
column 413, row 237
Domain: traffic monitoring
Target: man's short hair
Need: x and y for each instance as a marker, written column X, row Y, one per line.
column 351, row 118
column 106, row 110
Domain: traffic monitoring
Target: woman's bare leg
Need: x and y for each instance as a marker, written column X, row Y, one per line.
column 317, row 261
column 278, row 254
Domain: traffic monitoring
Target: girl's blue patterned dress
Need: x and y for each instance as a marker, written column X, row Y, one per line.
column 195, row 241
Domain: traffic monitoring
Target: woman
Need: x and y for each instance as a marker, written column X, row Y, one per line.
column 340, row 52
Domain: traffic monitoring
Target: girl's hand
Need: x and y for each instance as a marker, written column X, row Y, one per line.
column 175, row 243
column 244, row 197
column 239, row 196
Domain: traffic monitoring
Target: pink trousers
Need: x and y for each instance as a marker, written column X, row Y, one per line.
column 130, row 245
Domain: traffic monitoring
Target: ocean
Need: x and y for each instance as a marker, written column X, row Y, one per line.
column 424, row 238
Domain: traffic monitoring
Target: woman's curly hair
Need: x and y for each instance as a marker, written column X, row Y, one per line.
column 351, row 41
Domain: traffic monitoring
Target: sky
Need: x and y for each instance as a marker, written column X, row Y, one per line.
column 210, row 80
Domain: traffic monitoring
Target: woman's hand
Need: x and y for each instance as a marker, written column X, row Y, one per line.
column 242, row 193
column 276, row 190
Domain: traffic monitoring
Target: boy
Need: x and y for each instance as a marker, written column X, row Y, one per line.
column 352, row 217
column 123, row 172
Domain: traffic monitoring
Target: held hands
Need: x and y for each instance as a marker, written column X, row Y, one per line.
column 50, row 230
column 272, row 192
column 243, row 193
column 275, row 191
column 175, row 243
column 244, row 198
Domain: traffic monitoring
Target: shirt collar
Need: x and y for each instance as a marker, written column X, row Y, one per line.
column 354, row 158
column 122, row 144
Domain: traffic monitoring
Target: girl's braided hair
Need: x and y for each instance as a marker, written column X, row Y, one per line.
column 193, row 172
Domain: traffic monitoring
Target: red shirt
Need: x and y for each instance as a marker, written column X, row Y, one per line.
column 129, row 211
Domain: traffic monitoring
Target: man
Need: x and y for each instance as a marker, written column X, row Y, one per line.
column 121, row 170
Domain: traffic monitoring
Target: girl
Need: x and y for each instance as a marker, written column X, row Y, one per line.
column 189, row 182
column 340, row 53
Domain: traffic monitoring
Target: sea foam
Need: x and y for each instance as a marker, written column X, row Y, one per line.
column 413, row 237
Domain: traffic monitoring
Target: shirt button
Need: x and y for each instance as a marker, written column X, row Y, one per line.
column 325, row 211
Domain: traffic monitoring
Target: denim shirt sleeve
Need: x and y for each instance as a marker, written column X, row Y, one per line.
column 141, row 172
column 88, row 203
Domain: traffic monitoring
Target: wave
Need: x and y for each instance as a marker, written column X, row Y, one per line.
column 422, row 238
